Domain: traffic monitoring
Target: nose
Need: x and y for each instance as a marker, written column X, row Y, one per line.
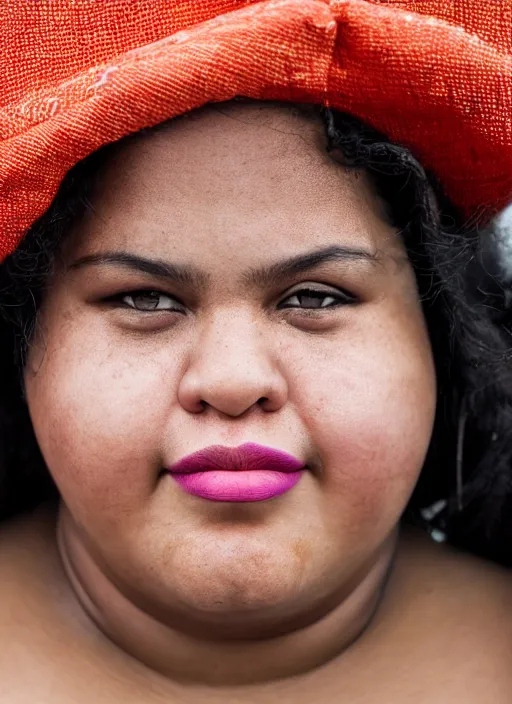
column 232, row 369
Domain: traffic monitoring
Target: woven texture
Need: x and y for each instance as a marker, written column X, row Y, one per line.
column 435, row 75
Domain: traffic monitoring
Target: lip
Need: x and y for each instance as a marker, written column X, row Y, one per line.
column 246, row 473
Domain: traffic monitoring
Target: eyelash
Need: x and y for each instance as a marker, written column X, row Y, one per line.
column 339, row 298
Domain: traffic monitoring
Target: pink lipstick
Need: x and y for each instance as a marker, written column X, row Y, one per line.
column 237, row 474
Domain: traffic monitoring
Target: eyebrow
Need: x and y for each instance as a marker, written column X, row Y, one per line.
column 302, row 263
column 193, row 277
column 183, row 274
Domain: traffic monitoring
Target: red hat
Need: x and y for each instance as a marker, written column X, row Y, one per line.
column 433, row 75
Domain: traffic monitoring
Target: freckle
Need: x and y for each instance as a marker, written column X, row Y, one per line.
column 302, row 551
column 67, row 315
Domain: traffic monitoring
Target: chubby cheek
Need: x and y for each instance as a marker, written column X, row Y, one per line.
column 100, row 420
column 369, row 411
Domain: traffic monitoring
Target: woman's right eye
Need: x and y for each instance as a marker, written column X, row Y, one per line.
column 150, row 301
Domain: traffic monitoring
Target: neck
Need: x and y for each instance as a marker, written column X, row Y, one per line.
column 176, row 654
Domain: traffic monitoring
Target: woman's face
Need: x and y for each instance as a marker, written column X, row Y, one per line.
column 288, row 317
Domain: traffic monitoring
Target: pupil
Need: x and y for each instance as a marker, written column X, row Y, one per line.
column 149, row 300
column 311, row 301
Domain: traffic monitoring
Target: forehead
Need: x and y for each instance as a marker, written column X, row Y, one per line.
column 255, row 173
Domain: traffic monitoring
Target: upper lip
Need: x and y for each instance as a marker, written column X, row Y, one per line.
column 245, row 457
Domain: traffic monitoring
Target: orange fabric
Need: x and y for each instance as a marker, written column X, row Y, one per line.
column 435, row 75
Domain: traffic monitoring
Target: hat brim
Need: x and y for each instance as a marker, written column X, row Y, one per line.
column 426, row 83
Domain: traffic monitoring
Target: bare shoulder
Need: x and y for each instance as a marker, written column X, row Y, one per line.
column 446, row 622
column 29, row 569
column 27, row 550
column 36, row 649
column 456, row 611
column 455, row 577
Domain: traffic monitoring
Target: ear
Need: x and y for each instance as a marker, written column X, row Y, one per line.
column 501, row 229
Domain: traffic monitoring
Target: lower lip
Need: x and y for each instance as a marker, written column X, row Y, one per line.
column 238, row 485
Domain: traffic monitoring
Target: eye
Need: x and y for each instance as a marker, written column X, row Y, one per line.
column 149, row 301
column 314, row 299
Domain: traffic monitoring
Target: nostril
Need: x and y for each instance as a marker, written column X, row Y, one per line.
column 199, row 406
column 266, row 404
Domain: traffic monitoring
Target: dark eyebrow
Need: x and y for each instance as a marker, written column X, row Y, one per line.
column 268, row 275
column 183, row 274
column 195, row 278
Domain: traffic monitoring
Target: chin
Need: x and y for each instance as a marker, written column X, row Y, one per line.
column 240, row 594
column 247, row 588
column 242, row 612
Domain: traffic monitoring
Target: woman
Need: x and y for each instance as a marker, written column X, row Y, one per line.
column 240, row 339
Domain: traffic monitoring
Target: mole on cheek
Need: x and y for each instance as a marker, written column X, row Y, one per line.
column 302, row 551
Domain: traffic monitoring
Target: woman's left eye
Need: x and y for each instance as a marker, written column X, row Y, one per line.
column 309, row 299
column 150, row 301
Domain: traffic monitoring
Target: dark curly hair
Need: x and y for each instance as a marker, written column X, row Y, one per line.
column 467, row 474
